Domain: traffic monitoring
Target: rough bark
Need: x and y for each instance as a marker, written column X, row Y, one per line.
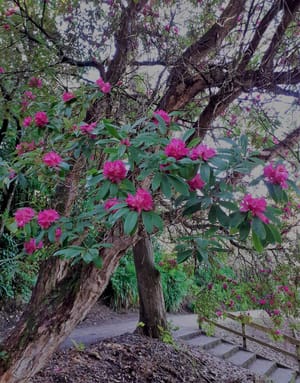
column 49, row 320
column 152, row 312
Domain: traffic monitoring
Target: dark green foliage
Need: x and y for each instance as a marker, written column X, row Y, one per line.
column 17, row 273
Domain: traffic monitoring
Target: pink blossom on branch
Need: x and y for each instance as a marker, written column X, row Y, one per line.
column 196, row 183
column 27, row 121
column 31, row 246
column 142, row 200
column 23, row 216
column 164, row 115
column 104, row 86
column 88, row 128
column 115, row 171
column 277, row 175
column 52, row 159
column 203, row 152
column 47, row 217
column 35, row 82
column 58, row 233
column 176, row 149
column 110, row 203
column 41, row 119
column 257, row 206
column 67, row 96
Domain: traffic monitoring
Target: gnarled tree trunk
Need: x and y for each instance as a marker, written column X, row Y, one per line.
column 152, row 307
column 54, row 312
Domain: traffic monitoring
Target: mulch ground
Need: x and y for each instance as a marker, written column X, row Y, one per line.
column 132, row 358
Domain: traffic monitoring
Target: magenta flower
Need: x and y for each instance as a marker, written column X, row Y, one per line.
column 31, row 246
column 47, row 217
column 41, row 119
column 27, row 121
column 176, row 149
column 24, row 147
column 1, row 70
column 67, row 96
column 23, row 216
column 35, row 82
column 196, row 183
column 88, row 128
column 262, row 301
column 115, row 171
column 202, row 151
column 11, row 11
column 58, row 233
column 164, row 115
column 257, row 206
column 142, row 200
column 125, row 141
column 277, row 175
column 110, row 203
column 29, row 95
column 52, row 159
column 104, row 86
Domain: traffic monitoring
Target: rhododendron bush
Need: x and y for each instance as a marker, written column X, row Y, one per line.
column 143, row 169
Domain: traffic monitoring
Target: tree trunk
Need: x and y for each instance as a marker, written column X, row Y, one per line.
column 152, row 306
column 54, row 311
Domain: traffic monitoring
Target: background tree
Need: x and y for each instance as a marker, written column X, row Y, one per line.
column 210, row 67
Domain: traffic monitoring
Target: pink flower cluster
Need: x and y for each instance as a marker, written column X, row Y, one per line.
column 110, row 203
column 115, row 171
column 23, row 216
column 203, row 152
column 24, row 147
column 52, row 159
column 35, row 82
column 41, row 119
column 164, row 115
column 142, row 200
column 196, row 183
column 104, row 86
column 277, row 175
column 45, row 218
column 67, row 96
column 27, row 121
column 31, row 246
column 177, row 149
column 88, row 129
column 257, row 206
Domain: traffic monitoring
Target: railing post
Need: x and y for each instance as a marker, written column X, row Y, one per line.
column 244, row 335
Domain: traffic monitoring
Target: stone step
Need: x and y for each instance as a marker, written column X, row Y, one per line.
column 242, row 358
column 283, row 375
column 203, row 341
column 186, row 334
column 263, row 367
column 224, row 350
column 297, row 379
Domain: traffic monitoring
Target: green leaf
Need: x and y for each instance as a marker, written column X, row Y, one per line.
column 70, row 252
column 130, row 222
column 294, row 186
column 275, row 232
column 258, row 228
column 179, row 185
column 244, row 143
column 184, row 255
column 244, row 230
column 103, row 190
column 156, row 181
column 97, row 262
column 222, row 217
column 151, row 220
column 236, row 218
column 188, row 134
column 205, row 172
column 112, row 130
column 258, row 246
column 212, row 215
column 165, row 186
column 94, row 180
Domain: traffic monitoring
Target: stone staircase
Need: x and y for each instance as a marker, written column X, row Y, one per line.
column 271, row 371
